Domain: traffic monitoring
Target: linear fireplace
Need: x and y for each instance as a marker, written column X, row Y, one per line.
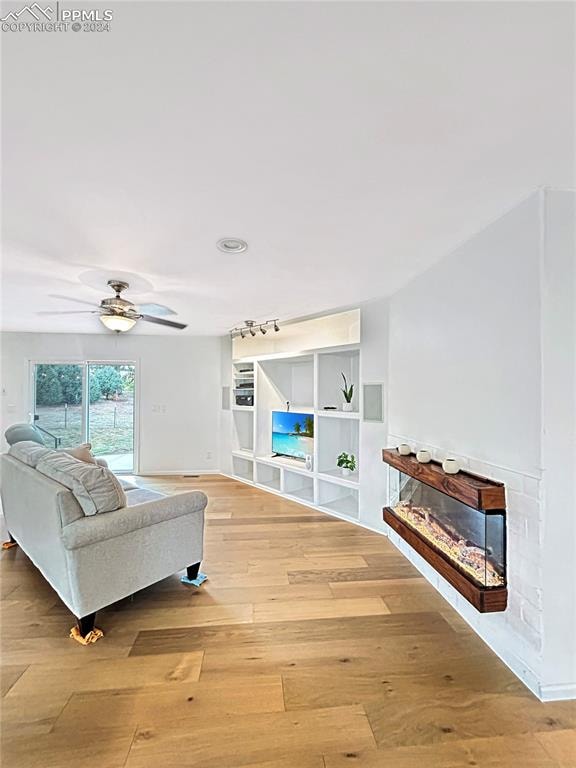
column 456, row 522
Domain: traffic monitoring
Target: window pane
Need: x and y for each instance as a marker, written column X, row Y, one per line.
column 58, row 404
column 111, row 414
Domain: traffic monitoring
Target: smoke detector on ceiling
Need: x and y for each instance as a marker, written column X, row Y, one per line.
column 232, row 245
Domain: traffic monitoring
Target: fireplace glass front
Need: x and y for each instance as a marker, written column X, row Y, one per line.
column 473, row 540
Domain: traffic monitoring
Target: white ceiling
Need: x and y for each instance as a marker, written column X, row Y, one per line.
column 352, row 145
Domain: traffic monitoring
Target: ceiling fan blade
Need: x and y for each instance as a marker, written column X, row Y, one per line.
column 71, row 298
column 155, row 309
column 161, row 321
column 71, row 312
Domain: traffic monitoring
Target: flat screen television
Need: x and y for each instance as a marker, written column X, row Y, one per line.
column 292, row 434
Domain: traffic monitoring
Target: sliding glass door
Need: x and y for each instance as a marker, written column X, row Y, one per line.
column 88, row 402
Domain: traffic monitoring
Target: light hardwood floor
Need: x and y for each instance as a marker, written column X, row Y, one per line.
column 314, row 644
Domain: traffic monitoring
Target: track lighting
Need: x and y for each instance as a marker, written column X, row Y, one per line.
column 251, row 327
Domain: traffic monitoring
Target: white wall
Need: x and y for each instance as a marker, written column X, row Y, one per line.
column 481, row 365
column 373, row 435
column 181, row 375
column 558, row 531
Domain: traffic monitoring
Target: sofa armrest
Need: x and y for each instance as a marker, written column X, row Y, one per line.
column 109, row 525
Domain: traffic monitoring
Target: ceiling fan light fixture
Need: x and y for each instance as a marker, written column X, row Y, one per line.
column 118, row 323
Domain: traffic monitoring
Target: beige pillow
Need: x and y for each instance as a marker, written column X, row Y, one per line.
column 96, row 488
column 81, row 452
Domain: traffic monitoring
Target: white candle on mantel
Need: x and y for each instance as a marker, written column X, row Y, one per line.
column 451, row 466
column 423, row 456
column 404, row 449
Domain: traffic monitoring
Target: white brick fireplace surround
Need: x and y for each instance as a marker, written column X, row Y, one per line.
column 523, row 615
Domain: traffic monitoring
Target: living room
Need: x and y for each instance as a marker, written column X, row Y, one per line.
column 288, row 387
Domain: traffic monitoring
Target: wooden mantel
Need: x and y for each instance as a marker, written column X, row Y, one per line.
column 477, row 492
column 480, row 493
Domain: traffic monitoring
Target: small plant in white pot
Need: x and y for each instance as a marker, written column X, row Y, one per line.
column 347, row 463
column 348, row 392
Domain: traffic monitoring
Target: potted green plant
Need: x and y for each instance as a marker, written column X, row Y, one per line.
column 348, row 392
column 347, row 463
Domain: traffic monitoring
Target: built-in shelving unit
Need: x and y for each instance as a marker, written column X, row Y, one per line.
column 305, row 383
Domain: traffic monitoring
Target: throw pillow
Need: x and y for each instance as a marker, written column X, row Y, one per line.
column 29, row 452
column 82, row 452
column 96, row 488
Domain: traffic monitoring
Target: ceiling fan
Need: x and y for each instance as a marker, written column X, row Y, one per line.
column 118, row 314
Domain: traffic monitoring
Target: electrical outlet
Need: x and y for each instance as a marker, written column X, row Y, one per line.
column 208, row 455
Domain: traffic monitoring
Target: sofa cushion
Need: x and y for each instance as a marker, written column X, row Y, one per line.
column 95, row 488
column 29, row 452
column 139, row 495
column 81, row 452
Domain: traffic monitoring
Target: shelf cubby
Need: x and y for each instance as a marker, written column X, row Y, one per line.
column 269, row 476
column 331, row 366
column 333, row 437
column 243, row 468
column 291, row 381
column 243, row 430
column 299, row 486
column 338, row 498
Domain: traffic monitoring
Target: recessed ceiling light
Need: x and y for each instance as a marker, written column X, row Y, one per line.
column 232, row 245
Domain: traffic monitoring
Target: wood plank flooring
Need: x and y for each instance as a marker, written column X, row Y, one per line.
column 314, row 644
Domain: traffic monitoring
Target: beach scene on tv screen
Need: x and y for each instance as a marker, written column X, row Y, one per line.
column 292, row 434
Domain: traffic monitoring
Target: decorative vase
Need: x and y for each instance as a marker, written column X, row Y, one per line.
column 451, row 466
column 346, row 471
column 308, row 463
column 404, row 449
column 347, row 407
column 423, row 457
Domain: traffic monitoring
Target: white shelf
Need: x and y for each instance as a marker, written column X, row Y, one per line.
column 338, row 414
column 335, row 476
column 243, row 454
column 284, row 461
column 246, row 408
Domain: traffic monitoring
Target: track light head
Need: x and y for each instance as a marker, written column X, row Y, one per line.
column 252, row 332
column 242, row 334
column 276, row 326
column 262, row 330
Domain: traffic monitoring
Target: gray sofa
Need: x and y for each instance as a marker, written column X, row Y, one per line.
column 94, row 560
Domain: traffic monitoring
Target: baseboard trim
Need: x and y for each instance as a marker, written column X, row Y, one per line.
column 176, row 473
column 557, row 692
